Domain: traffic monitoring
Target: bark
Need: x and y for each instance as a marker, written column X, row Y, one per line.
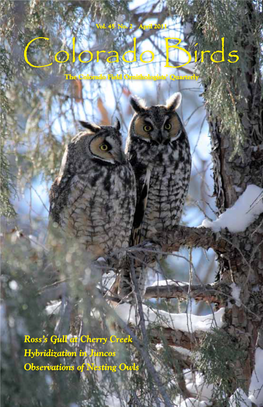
column 243, row 264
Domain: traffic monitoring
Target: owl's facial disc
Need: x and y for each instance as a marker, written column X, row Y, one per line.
column 175, row 127
column 143, row 128
column 164, row 133
column 107, row 149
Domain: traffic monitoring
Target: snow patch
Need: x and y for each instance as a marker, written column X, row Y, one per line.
column 235, row 291
column 108, row 279
column 182, row 322
column 113, row 401
column 195, row 384
column 200, row 391
column 256, row 385
column 239, row 399
column 183, row 351
column 238, row 189
column 53, row 308
column 194, row 403
column 240, row 216
column 161, row 283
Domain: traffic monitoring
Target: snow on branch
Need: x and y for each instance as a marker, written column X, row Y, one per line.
column 185, row 322
column 242, row 214
column 236, row 219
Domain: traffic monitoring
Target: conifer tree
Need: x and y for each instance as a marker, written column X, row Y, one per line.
column 39, row 114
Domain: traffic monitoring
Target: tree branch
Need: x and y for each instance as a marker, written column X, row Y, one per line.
column 169, row 241
column 191, row 237
column 174, row 337
column 217, row 292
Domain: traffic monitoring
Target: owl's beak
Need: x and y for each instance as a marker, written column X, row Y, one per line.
column 159, row 139
column 119, row 156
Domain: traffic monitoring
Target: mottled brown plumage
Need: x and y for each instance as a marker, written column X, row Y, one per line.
column 159, row 152
column 93, row 197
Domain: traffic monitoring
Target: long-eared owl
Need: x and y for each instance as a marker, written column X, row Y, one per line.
column 159, row 152
column 93, row 197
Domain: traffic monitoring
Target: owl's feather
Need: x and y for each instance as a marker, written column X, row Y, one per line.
column 93, row 198
column 141, row 205
column 159, row 152
column 174, row 101
column 161, row 163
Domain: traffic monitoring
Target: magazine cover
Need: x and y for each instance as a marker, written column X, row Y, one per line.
column 131, row 203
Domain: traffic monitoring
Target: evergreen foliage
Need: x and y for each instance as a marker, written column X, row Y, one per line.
column 39, row 114
column 225, row 84
column 216, row 358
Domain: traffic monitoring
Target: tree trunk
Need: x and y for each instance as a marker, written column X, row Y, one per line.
column 243, row 263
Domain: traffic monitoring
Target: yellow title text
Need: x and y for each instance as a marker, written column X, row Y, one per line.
column 87, row 56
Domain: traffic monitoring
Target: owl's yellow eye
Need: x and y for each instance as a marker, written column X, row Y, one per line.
column 168, row 126
column 147, row 128
column 104, row 147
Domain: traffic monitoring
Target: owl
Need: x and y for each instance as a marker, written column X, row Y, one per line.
column 93, row 198
column 158, row 149
column 159, row 152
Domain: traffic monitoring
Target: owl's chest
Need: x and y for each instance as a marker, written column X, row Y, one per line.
column 169, row 179
column 100, row 210
column 162, row 183
column 97, row 193
column 167, row 167
column 164, row 155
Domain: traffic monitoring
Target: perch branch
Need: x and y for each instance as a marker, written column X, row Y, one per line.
column 191, row 237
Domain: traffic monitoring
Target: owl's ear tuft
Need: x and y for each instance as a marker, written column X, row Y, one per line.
column 137, row 104
column 174, row 101
column 90, row 126
column 117, row 125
